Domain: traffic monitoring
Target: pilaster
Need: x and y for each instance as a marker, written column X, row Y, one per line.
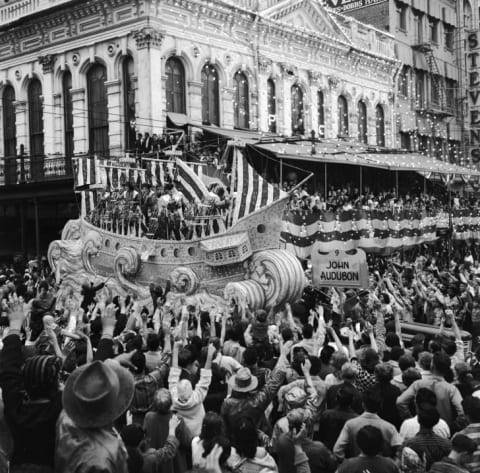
column 226, row 107
column 150, row 105
column 195, row 101
column 80, row 121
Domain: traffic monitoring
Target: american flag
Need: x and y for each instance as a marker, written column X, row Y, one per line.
column 191, row 185
column 252, row 191
column 86, row 178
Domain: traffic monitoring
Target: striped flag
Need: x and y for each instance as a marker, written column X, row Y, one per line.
column 86, row 180
column 192, row 186
column 252, row 191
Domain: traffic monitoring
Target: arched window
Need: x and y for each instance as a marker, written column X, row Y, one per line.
column 241, row 114
column 321, row 114
column 128, row 71
column 380, row 123
column 467, row 15
column 404, row 81
column 210, row 95
column 272, row 106
column 342, row 116
column 35, row 117
column 298, row 126
column 67, row 112
column 9, row 130
column 97, row 110
column 362, row 123
column 175, row 85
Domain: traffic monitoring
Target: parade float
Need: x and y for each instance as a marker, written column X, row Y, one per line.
column 238, row 258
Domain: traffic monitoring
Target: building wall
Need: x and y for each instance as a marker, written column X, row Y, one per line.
column 76, row 35
column 432, row 124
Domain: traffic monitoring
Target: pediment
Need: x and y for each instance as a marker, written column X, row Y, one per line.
column 308, row 14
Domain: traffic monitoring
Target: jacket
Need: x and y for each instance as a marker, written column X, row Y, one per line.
column 252, row 404
column 261, row 463
column 191, row 409
column 449, row 399
column 88, row 450
column 32, row 425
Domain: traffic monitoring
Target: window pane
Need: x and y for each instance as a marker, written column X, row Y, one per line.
column 297, row 110
column 9, row 129
column 98, row 110
column 380, row 122
column 272, row 106
column 241, row 102
column 35, row 116
column 175, row 86
column 129, row 103
column 210, row 96
column 342, row 116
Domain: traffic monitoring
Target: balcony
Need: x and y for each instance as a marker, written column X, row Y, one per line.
column 17, row 9
column 34, row 169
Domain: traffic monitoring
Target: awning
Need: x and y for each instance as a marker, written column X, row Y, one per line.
column 239, row 138
column 418, row 163
column 179, row 120
column 324, row 153
column 342, row 153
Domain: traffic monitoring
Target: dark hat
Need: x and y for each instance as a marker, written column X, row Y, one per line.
column 463, row 444
column 363, row 292
column 98, row 393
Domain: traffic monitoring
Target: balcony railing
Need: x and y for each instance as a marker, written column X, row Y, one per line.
column 34, row 169
column 17, row 9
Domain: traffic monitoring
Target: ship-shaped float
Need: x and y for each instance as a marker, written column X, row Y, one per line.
column 239, row 258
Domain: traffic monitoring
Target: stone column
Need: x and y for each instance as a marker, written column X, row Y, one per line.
column 47, row 62
column 195, row 101
column 285, row 114
column 80, row 121
column 21, row 125
column 226, row 107
column 149, row 73
column 264, row 71
column 116, row 116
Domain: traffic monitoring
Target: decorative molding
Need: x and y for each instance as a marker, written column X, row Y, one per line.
column 314, row 77
column 265, row 65
column 288, row 70
column 148, row 37
column 333, row 82
column 47, row 62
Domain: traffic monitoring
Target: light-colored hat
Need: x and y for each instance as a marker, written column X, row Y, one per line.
column 98, row 393
column 243, row 381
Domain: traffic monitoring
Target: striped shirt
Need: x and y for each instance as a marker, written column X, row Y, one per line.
column 473, row 431
column 447, row 465
column 429, row 446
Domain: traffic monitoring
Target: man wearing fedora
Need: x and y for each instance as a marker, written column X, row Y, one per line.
column 31, row 417
column 246, row 400
column 95, row 395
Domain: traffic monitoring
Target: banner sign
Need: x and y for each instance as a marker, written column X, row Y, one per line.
column 339, row 269
column 473, row 80
column 342, row 6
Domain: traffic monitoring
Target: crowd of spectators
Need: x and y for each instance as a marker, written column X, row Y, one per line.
column 95, row 382
column 348, row 197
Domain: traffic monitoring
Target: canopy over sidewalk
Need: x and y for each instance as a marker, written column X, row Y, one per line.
column 338, row 152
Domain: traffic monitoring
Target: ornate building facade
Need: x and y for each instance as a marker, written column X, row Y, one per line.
column 431, row 106
column 81, row 77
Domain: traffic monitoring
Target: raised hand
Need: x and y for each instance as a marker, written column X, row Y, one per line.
column 15, row 312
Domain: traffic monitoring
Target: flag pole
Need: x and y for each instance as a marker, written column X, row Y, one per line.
column 301, row 183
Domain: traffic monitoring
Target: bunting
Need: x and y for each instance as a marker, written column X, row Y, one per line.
column 373, row 231
column 192, row 186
